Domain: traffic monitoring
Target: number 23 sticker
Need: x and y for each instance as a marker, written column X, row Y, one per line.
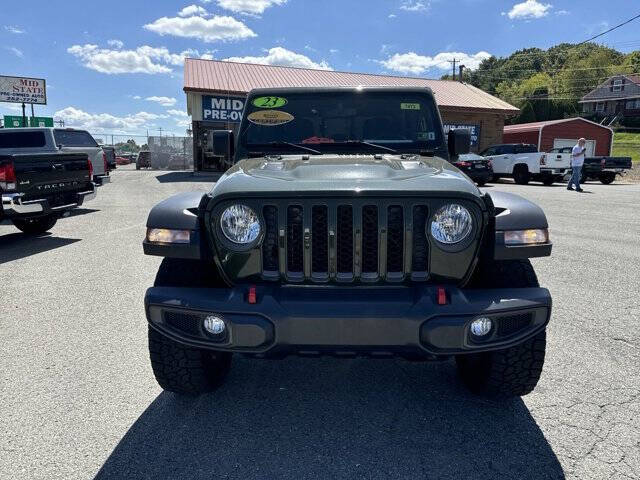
column 269, row 102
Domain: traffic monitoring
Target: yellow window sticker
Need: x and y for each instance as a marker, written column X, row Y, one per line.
column 410, row 106
column 270, row 102
column 270, row 118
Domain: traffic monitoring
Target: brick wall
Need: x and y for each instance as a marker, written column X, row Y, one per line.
column 491, row 125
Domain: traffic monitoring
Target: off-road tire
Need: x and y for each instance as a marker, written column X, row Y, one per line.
column 513, row 371
column 521, row 174
column 179, row 368
column 607, row 177
column 35, row 226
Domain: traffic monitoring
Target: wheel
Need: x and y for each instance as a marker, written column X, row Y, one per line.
column 513, row 371
column 179, row 368
column 521, row 174
column 583, row 178
column 495, row 179
column 548, row 181
column 35, row 226
column 607, row 177
column 137, row 166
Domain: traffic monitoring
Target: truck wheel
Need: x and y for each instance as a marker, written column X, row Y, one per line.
column 495, row 179
column 137, row 166
column 583, row 178
column 607, row 177
column 179, row 368
column 521, row 174
column 35, row 226
column 513, row 371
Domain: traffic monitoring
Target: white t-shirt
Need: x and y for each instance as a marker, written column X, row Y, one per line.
column 578, row 160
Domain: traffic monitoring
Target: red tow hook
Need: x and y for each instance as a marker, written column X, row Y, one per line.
column 252, row 297
column 442, row 296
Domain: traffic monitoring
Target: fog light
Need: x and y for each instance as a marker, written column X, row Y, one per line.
column 214, row 325
column 481, row 326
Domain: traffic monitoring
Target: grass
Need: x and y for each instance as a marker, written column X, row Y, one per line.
column 627, row 145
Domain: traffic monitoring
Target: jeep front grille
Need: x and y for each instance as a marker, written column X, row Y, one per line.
column 345, row 242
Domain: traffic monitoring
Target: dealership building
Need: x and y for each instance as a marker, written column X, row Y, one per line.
column 216, row 92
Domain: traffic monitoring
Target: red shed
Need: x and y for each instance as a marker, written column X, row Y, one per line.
column 562, row 133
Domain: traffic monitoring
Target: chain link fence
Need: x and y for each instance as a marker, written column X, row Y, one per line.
column 166, row 152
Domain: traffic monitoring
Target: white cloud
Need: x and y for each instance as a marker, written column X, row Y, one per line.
column 115, row 43
column 16, row 51
column 144, row 59
column 177, row 113
column 282, row 56
column 192, row 10
column 14, row 29
column 528, row 10
column 74, row 117
column 392, row 15
column 415, row 5
column 563, row 12
column 216, row 28
column 412, row 63
column 136, row 97
column 254, row 7
column 164, row 101
column 334, row 50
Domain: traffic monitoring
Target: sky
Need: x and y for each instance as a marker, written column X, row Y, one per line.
column 117, row 66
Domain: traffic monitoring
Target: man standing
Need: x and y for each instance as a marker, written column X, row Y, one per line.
column 577, row 161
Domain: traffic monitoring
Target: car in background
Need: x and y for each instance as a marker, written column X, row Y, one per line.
column 110, row 153
column 604, row 169
column 524, row 163
column 122, row 160
column 143, row 160
column 475, row 166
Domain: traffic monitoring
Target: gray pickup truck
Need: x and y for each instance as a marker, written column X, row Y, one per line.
column 343, row 229
column 38, row 188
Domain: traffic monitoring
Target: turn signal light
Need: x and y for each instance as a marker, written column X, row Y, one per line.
column 7, row 176
column 165, row 235
column 442, row 296
column 252, row 298
column 526, row 237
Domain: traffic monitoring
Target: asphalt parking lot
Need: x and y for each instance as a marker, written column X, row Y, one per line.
column 79, row 399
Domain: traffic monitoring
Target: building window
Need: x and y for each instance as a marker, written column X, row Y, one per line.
column 600, row 107
column 617, row 85
column 631, row 104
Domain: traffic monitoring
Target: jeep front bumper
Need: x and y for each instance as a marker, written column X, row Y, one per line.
column 344, row 321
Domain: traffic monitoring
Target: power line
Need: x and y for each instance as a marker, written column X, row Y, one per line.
column 609, row 30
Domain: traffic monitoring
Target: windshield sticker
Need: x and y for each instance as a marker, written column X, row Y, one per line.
column 270, row 102
column 410, row 106
column 270, row 118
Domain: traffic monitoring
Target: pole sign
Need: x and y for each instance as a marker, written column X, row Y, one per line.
column 222, row 108
column 23, row 90
column 474, row 129
column 40, row 122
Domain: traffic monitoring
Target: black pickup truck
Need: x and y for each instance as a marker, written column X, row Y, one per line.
column 39, row 188
column 604, row 169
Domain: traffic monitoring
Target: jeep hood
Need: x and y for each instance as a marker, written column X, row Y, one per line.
column 343, row 174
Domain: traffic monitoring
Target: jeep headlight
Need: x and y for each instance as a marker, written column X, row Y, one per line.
column 451, row 224
column 240, row 224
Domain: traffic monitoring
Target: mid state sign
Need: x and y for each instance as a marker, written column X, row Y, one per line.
column 222, row 109
column 23, row 90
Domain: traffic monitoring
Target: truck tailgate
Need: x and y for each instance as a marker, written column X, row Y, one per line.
column 50, row 174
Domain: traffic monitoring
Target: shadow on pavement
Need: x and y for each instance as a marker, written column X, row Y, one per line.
column 329, row 419
column 81, row 211
column 18, row 245
column 173, row 177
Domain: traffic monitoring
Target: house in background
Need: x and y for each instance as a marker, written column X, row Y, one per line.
column 618, row 98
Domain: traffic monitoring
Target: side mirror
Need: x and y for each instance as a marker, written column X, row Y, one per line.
column 223, row 144
column 459, row 142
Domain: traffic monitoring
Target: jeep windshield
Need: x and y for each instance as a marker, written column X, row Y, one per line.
column 340, row 122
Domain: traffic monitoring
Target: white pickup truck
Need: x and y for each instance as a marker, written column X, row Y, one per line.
column 523, row 162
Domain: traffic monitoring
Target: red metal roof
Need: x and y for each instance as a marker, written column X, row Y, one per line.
column 537, row 126
column 214, row 76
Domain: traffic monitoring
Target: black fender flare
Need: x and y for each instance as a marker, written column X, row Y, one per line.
column 513, row 212
column 179, row 212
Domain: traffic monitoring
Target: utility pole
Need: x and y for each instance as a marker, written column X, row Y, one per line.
column 454, row 61
column 461, row 71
